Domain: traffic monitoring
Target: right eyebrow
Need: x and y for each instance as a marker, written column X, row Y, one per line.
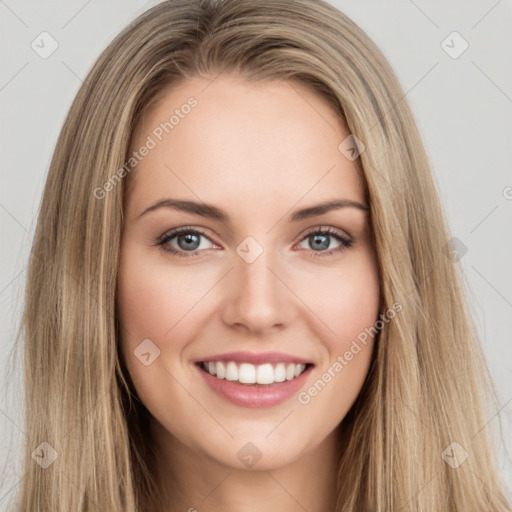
column 202, row 209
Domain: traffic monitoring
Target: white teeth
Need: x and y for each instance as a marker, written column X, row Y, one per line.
column 265, row 374
column 247, row 373
column 221, row 370
column 231, row 371
column 280, row 373
column 290, row 371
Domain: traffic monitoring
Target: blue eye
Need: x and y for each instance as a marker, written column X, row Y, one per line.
column 319, row 240
column 188, row 241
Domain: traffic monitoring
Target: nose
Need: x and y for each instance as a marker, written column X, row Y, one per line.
column 257, row 298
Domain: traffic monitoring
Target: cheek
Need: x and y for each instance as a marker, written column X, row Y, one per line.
column 347, row 303
column 154, row 298
column 356, row 303
column 349, row 307
column 345, row 299
column 156, row 302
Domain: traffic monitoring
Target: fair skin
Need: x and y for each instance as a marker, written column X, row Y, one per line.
column 259, row 151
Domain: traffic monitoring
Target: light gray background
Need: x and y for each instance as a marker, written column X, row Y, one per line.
column 463, row 108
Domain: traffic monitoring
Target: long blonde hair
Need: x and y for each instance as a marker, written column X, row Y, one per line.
column 428, row 386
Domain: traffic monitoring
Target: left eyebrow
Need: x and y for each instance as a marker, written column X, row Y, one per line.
column 322, row 208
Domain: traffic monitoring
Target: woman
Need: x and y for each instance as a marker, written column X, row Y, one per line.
column 313, row 350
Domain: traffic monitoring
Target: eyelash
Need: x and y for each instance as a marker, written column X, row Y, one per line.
column 346, row 243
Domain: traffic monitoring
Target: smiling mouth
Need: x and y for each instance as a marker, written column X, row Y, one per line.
column 247, row 373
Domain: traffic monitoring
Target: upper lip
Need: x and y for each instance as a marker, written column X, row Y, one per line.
column 255, row 358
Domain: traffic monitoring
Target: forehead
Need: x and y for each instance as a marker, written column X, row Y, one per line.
column 244, row 142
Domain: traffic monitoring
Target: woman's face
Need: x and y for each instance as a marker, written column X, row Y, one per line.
column 263, row 284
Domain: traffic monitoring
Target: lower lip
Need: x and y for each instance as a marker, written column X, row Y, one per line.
column 255, row 395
